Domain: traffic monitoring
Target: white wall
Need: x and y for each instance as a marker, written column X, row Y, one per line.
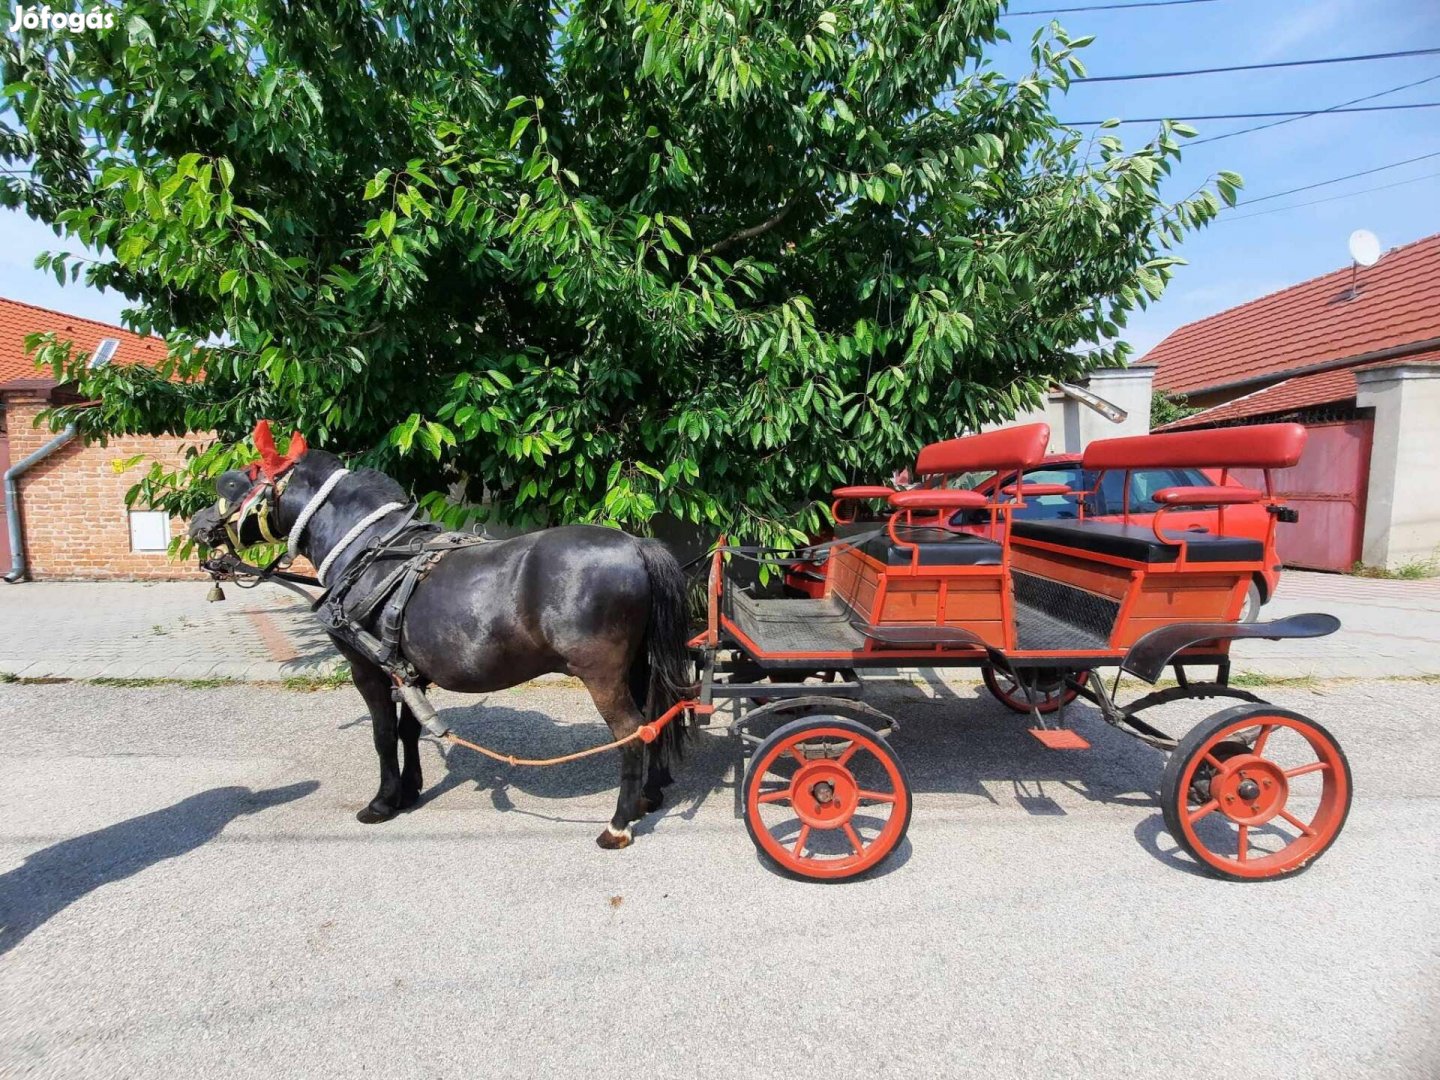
column 1074, row 425
column 1402, row 508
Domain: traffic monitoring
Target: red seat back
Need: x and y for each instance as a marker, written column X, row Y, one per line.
column 1263, row 446
column 1009, row 448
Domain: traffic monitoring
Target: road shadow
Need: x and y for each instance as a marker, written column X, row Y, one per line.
column 531, row 734
column 52, row 879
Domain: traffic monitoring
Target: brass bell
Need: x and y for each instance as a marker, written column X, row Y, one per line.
column 215, row 593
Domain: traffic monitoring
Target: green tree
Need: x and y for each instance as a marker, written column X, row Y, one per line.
column 599, row 260
column 1167, row 408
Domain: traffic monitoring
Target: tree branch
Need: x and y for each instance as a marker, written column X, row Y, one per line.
column 756, row 230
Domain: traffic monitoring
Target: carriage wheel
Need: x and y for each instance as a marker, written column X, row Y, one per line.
column 826, row 798
column 1050, row 688
column 1256, row 792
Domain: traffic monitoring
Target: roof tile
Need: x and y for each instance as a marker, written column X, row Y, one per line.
column 17, row 320
column 1299, row 392
column 1311, row 323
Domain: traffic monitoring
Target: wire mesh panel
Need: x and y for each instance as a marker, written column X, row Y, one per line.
column 1052, row 615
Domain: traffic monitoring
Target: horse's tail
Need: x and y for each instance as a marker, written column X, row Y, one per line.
column 662, row 674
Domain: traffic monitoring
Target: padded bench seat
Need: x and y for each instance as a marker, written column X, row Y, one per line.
column 1138, row 542
column 938, row 547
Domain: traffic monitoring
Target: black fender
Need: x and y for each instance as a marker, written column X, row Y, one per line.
column 1149, row 656
column 798, row 707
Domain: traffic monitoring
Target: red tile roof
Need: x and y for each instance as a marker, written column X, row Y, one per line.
column 1300, row 392
column 18, row 320
column 1308, row 324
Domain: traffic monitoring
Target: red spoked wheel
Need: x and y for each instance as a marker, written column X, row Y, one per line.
column 1047, row 684
column 1255, row 792
column 826, row 798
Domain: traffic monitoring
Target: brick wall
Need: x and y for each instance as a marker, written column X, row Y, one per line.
column 72, row 505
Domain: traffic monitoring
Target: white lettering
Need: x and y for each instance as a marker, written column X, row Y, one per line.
column 32, row 18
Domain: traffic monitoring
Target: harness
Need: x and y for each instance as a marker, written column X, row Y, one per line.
column 370, row 623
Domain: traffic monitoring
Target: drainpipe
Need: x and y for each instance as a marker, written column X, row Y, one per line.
column 102, row 355
column 12, row 500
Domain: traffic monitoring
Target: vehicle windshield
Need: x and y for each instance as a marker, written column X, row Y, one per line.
column 1108, row 501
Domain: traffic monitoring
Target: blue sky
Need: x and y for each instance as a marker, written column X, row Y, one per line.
column 1234, row 260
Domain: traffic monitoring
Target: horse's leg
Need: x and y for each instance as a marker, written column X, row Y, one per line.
column 657, row 779
column 617, row 707
column 374, row 687
column 657, row 776
column 411, row 781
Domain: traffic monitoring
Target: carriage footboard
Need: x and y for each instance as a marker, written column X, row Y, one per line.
column 1149, row 655
column 794, row 626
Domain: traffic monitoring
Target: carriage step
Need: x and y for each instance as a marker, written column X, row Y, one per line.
column 1060, row 738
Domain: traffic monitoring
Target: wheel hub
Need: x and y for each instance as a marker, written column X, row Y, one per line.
column 824, row 794
column 1250, row 790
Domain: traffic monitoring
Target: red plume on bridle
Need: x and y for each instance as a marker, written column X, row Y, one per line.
column 272, row 463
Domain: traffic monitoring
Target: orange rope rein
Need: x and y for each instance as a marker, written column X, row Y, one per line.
column 646, row 733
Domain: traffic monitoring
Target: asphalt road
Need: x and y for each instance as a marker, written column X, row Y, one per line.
column 184, row 892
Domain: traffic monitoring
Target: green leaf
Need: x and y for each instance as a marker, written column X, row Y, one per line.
column 139, row 30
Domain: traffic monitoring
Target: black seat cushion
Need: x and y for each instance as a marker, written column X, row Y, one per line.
column 1138, row 542
column 938, row 547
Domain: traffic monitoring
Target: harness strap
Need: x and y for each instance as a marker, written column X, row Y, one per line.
column 758, row 553
column 354, row 534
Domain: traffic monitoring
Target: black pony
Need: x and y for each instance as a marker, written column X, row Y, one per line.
column 579, row 599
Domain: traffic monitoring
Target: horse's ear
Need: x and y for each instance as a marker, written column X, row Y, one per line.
column 264, row 440
column 271, row 463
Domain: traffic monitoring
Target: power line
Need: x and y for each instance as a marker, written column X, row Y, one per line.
column 1102, row 7
column 1257, row 67
column 1317, row 112
column 1256, row 115
column 1339, row 179
column 1331, row 198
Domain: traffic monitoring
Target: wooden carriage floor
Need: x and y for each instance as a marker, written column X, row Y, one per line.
column 827, row 626
column 796, row 626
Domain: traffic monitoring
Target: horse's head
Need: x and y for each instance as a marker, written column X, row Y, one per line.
column 245, row 512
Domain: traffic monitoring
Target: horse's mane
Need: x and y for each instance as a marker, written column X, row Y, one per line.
column 378, row 482
column 373, row 479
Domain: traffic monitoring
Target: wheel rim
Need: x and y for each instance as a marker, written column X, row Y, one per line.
column 827, row 784
column 1257, row 795
column 1050, row 695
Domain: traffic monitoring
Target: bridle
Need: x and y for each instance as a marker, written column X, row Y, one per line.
column 268, row 479
column 258, row 503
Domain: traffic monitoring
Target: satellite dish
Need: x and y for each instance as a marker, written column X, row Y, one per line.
column 1364, row 247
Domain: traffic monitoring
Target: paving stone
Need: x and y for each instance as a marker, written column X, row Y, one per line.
column 124, row 630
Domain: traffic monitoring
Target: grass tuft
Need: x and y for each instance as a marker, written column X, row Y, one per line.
column 134, row 684
column 1414, row 570
column 308, row 684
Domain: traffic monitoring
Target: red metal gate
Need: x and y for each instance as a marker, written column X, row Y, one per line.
column 1328, row 488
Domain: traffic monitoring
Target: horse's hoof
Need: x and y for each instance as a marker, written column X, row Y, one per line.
column 611, row 840
column 374, row 814
column 650, row 803
column 409, row 800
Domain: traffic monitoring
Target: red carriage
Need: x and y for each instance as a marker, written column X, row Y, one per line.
column 1041, row 607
